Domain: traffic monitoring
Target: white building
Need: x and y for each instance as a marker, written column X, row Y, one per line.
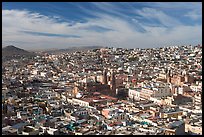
column 145, row 93
column 161, row 92
column 134, row 93
column 80, row 102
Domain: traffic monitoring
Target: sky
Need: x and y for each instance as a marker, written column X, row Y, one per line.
column 48, row 25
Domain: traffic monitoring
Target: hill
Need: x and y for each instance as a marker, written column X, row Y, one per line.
column 10, row 52
column 72, row 49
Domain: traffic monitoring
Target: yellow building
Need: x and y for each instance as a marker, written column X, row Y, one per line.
column 175, row 114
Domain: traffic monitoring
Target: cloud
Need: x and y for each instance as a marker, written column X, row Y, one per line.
column 26, row 20
column 29, row 30
column 174, row 5
column 50, row 34
column 194, row 14
column 98, row 28
column 164, row 19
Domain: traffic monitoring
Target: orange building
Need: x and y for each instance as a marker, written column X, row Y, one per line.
column 177, row 80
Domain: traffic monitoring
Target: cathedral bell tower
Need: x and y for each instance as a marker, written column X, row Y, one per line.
column 113, row 82
column 105, row 81
column 168, row 76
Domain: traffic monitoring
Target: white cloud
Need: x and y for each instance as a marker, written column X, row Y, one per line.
column 16, row 21
column 194, row 14
column 175, row 5
column 150, row 13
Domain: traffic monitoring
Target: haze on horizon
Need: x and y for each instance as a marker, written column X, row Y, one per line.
column 48, row 25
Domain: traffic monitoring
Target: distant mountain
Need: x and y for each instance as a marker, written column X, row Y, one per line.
column 72, row 49
column 10, row 52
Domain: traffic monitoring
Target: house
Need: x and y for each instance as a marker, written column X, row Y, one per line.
column 8, row 130
column 30, row 130
column 20, row 126
column 175, row 128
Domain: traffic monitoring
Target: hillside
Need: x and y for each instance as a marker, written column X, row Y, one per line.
column 10, row 52
column 72, row 49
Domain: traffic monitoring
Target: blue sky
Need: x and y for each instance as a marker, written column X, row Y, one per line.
column 44, row 25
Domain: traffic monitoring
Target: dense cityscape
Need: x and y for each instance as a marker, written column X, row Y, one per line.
column 104, row 91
